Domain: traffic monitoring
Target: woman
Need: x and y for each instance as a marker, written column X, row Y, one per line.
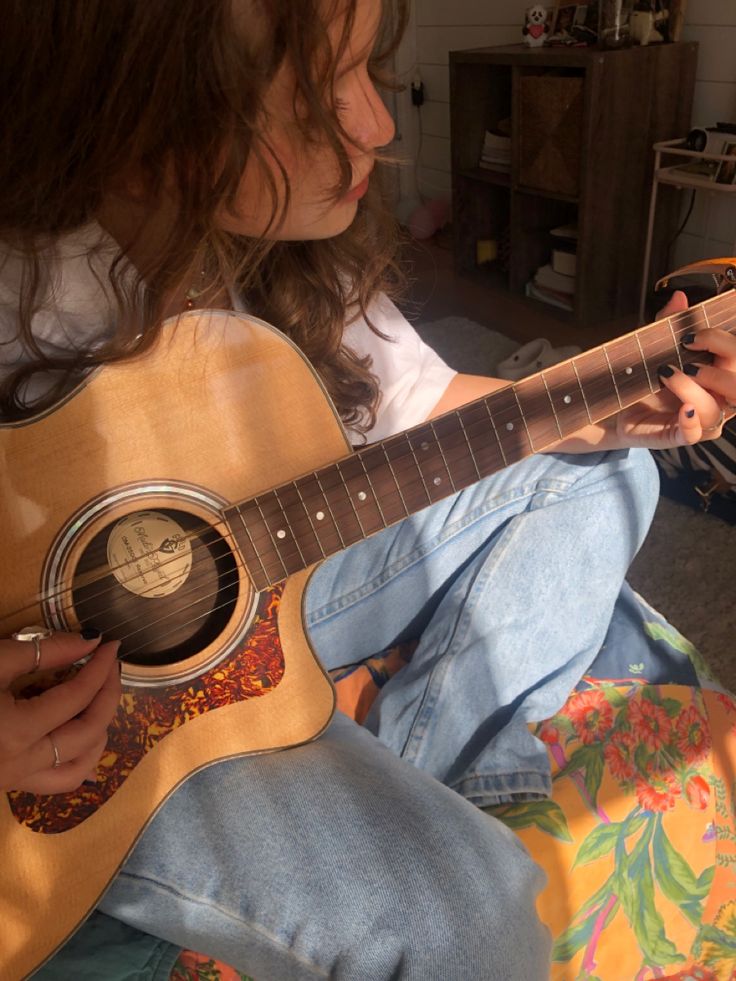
column 205, row 153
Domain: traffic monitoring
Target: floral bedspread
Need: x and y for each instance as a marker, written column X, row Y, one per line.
column 639, row 837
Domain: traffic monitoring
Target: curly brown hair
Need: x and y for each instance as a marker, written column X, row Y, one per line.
column 93, row 88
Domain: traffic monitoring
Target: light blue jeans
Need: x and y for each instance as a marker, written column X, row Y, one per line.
column 361, row 858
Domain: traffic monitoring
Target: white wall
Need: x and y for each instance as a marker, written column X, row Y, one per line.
column 440, row 26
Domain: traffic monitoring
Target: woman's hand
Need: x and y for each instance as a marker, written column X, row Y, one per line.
column 71, row 717
column 692, row 405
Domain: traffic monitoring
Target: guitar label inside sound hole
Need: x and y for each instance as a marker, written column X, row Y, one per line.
column 149, row 554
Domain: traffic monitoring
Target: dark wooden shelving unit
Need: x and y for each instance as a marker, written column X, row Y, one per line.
column 583, row 123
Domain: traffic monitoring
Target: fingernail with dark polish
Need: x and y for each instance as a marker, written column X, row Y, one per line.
column 688, row 338
column 691, row 369
column 91, row 633
column 690, row 413
column 665, row 371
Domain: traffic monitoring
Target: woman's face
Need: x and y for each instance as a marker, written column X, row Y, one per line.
column 312, row 170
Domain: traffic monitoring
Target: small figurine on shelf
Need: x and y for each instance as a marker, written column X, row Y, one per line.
column 536, row 26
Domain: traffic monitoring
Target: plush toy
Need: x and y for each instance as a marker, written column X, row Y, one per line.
column 536, row 26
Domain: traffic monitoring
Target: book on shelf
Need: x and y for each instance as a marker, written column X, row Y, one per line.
column 563, row 301
column 568, row 232
column 496, row 152
column 548, row 278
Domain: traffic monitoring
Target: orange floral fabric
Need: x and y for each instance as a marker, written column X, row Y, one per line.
column 638, row 840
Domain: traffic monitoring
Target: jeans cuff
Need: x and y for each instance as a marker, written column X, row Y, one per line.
column 488, row 790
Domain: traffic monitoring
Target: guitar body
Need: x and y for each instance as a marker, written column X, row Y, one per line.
column 140, row 454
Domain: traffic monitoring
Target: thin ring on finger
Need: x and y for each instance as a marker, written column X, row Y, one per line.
column 33, row 635
column 57, row 759
column 716, row 427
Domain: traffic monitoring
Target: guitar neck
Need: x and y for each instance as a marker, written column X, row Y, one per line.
column 292, row 526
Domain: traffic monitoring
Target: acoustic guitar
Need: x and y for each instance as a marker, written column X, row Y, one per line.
column 179, row 504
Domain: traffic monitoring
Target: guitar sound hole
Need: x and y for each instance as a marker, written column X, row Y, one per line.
column 158, row 581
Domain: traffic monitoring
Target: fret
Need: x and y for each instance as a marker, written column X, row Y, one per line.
column 537, row 406
column 596, row 383
column 337, row 494
column 419, row 471
column 319, row 526
column 552, row 404
column 652, row 389
column 453, row 444
column 261, row 543
column 405, row 470
column 523, row 418
column 632, row 378
column 486, row 450
column 676, row 342
column 656, row 342
column 582, row 393
column 467, row 442
column 272, row 515
column 260, row 579
column 285, row 513
column 362, row 496
column 439, row 447
column 613, row 376
column 382, row 483
column 395, row 478
column 435, row 475
column 322, row 491
column 568, row 401
column 509, row 424
column 495, row 431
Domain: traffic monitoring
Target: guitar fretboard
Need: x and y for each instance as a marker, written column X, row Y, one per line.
column 287, row 529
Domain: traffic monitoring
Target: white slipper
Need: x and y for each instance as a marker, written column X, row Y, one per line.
column 533, row 357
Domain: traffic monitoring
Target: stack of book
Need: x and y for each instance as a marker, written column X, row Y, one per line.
column 554, row 283
column 552, row 287
column 496, row 152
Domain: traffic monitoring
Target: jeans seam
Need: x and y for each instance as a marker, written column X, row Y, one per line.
column 424, row 709
column 262, row 933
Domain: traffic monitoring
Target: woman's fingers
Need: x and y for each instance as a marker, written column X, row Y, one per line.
column 717, row 342
column 67, row 777
column 18, row 657
column 707, row 410
column 676, row 304
column 74, row 739
column 718, row 381
column 34, row 717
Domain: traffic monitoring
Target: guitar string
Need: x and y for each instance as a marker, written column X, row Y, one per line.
column 174, row 558
column 301, row 564
column 131, row 653
column 218, row 526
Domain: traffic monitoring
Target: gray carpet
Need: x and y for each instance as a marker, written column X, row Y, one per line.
column 687, row 565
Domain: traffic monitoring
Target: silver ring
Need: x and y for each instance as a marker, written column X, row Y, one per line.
column 717, row 426
column 57, row 759
column 33, row 634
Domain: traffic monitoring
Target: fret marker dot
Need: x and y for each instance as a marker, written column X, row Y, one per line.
column 567, row 399
column 424, row 446
column 320, row 515
column 629, row 371
column 281, row 533
column 437, row 481
column 362, row 496
column 509, row 426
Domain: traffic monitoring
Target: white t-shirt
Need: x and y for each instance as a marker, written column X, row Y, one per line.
column 78, row 309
